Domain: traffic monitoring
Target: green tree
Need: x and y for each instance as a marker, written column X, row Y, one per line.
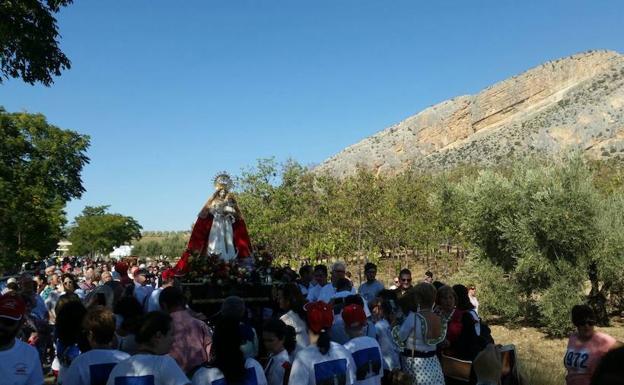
column 170, row 245
column 540, row 224
column 29, row 41
column 256, row 198
column 40, row 167
column 96, row 231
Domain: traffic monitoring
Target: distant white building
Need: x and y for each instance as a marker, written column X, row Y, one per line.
column 63, row 248
column 121, row 251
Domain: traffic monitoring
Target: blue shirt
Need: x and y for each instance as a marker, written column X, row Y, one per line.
column 369, row 291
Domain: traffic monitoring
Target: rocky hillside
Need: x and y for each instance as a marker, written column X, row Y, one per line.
column 571, row 103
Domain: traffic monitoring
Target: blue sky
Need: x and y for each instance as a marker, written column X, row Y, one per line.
column 172, row 92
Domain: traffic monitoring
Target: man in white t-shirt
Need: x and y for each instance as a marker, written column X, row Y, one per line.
column 320, row 276
column 95, row 366
column 306, row 279
column 365, row 350
column 19, row 362
column 151, row 365
column 327, row 292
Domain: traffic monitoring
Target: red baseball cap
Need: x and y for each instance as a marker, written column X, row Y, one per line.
column 12, row 307
column 320, row 316
column 168, row 274
column 121, row 267
column 354, row 316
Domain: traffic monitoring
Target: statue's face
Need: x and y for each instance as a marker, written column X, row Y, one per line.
column 222, row 193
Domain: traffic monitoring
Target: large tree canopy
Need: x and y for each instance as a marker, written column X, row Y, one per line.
column 538, row 231
column 28, row 41
column 40, row 167
column 96, row 231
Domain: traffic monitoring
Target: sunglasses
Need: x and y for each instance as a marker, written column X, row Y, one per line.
column 406, row 280
column 588, row 322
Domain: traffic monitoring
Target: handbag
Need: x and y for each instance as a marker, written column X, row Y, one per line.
column 455, row 368
column 406, row 375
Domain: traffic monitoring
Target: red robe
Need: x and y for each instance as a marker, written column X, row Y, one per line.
column 199, row 241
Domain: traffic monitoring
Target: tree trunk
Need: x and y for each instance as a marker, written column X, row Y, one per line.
column 597, row 299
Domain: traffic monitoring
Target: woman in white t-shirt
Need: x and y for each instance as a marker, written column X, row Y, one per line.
column 228, row 364
column 323, row 362
column 279, row 341
column 151, row 365
column 291, row 302
column 94, row 366
column 383, row 316
column 69, row 340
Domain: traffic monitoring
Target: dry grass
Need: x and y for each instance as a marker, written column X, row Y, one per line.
column 540, row 357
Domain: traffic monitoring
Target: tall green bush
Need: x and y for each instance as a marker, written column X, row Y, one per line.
column 522, row 224
column 496, row 290
column 557, row 301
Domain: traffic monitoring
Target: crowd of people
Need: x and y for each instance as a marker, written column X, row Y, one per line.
column 83, row 322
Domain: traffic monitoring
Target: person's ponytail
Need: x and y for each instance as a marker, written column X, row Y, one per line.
column 323, row 342
column 290, row 339
column 320, row 319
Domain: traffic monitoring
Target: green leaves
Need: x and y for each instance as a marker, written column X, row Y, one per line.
column 170, row 245
column 533, row 230
column 29, row 41
column 296, row 212
column 96, row 231
column 547, row 226
column 40, row 167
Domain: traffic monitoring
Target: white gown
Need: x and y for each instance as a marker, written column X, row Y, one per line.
column 221, row 237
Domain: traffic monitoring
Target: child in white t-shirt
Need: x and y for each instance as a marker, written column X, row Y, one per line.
column 365, row 350
column 279, row 341
column 94, row 366
column 323, row 362
column 228, row 364
column 151, row 365
column 209, row 375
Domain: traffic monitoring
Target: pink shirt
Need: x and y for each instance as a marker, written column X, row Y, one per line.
column 581, row 358
column 192, row 340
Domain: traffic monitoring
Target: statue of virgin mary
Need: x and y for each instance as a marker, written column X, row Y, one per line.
column 220, row 229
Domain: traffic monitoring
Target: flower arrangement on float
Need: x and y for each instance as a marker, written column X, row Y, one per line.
column 214, row 271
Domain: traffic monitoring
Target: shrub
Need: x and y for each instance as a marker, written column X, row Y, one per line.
column 557, row 302
column 497, row 291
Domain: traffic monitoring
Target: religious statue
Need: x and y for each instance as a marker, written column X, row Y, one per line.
column 220, row 229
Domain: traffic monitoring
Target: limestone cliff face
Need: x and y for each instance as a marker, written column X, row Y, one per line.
column 571, row 103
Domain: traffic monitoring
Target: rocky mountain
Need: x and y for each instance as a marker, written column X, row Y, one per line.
column 572, row 103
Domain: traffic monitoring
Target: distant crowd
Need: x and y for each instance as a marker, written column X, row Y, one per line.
column 80, row 321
